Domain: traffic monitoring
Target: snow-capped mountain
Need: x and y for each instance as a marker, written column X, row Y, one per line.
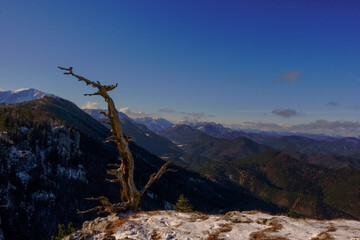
column 211, row 128
column 154, row 124
column 22, row 95
column 96, row 113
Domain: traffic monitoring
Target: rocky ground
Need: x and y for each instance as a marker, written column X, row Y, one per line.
column 233, row 225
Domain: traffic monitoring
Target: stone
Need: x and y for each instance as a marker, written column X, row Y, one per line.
column 237, row 217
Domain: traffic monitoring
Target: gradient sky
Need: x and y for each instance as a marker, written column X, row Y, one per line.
column 233, row 62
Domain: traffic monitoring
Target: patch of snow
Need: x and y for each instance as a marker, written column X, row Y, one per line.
column 42, row 196
column 195, row 180
column 168, row 205
column 24, row 177
column 72, row 173
column 240, row 225
column 150, row 195
column 24, row 130
column 20, row 90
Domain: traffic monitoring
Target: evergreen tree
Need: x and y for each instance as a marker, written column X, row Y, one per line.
column 183, row 204
column 64, row 231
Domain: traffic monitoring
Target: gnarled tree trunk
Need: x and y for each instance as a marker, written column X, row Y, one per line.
column 123, row 173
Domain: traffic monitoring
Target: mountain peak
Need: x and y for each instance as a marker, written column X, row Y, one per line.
column 22, row 95
column 22, row 89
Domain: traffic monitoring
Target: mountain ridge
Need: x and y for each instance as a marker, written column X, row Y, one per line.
column 22, row 95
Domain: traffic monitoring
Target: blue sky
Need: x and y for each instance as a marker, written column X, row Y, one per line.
column 234, row 62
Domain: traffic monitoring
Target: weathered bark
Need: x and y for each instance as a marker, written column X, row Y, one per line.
column 124, row 173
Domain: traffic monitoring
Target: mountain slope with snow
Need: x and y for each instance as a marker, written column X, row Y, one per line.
column 233, row 225
column 22, row 95
column 154, row 124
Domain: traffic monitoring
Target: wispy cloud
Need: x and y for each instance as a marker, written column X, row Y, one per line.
column 259, row 125
column 321, row 126
column 166, row 110
column 344, row 128
column 334, row 104
column 90, row 105
column 135, row 114
column 187, row 116
column 193, row 117
column 290, row 76
column 287, row 113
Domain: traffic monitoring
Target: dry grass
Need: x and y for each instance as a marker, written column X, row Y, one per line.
column 118, row 223
column 198, row 216
column 262, row 235
column 224, row 228
column 325, row 235
column 250, row 212
column 331, row 229
column 155, row 235
column 150, row 213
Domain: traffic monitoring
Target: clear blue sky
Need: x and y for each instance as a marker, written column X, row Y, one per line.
column 281, row 62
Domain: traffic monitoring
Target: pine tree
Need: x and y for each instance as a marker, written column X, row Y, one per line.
column 63, row 231
column 183, row 204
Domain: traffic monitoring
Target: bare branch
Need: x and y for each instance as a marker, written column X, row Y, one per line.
column 114, row 165
column 98, row 208
column 105, row 88
column 157, row 175
column 112, row 138
column 112, row 180
column 106, row 114
column 92, row 94
column 106, row 206
column 128, row 138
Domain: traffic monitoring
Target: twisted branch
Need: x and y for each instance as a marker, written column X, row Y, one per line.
column 96, row 84
column 156, row 176
column 106, row 206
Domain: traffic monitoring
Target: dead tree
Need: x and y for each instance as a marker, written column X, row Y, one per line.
column 124, row 172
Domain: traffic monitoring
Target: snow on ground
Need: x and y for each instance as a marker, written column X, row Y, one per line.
column 233, row 225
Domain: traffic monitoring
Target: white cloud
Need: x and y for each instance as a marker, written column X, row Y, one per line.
column 132, row 114
column 90, row 105
column 193, row 117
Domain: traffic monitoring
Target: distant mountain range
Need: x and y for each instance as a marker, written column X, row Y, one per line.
column 308, row 184
column 153, row 124
column 315, row 149
column 143, row 136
